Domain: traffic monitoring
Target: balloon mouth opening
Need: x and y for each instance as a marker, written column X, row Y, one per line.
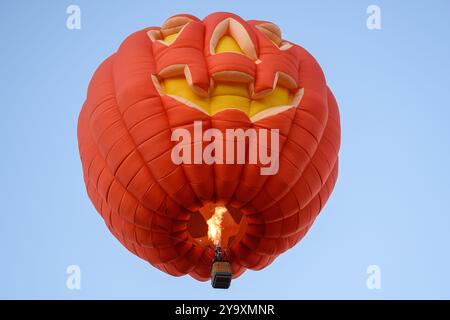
column 216, row 225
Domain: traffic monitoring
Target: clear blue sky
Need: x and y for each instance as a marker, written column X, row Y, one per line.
column 390, row 206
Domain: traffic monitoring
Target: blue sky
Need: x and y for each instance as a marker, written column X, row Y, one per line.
column 390, row 205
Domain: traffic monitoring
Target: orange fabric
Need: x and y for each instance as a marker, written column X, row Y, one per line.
column 124, row 135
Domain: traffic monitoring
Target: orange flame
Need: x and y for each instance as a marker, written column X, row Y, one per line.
column 215, row 225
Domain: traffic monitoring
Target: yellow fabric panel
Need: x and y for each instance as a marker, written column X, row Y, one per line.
column 279, row 97
column 226, row 96
column 170, row 38
column 231, row 88
column 228, row 44
column 219, row 103
column 178, row 86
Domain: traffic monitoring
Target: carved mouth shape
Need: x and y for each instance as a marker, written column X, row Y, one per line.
column 228, row 95
column 228, row 89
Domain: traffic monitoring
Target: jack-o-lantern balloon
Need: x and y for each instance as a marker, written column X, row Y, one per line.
column 209, row 133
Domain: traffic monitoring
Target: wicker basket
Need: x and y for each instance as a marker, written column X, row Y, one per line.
column 221, row 275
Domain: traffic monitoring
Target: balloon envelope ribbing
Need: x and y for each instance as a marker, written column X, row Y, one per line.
column 221, row 73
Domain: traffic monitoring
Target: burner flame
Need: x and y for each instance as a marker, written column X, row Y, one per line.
column 215, row 225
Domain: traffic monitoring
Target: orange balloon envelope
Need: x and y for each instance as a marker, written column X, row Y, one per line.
column 209, row 132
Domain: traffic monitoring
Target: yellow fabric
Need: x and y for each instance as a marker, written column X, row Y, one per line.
column 228, row 44
column 225, row 95
column 169, row 39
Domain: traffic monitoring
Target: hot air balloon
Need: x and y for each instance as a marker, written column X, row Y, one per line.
column 209, row 146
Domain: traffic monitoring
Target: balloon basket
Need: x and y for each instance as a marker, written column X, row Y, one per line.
column 221, row 275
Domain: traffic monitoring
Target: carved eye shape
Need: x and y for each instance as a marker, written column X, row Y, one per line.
column 170, row 30
column 273, row 32
column 231, row 36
